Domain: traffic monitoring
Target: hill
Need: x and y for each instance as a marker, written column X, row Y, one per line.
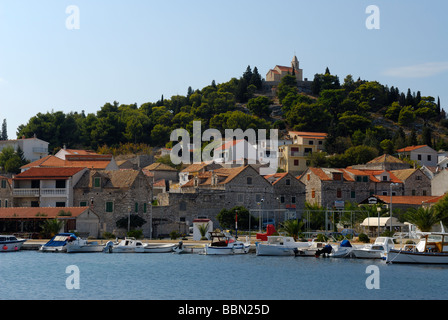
column 354, row 113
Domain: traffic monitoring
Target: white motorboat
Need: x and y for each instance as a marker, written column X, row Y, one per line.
column 58, row 243
column 280, row 246
column 83, row 246
column 156, row 248
column 131, row 245
column 431, row 249
column 314, row 249
column 378, row 250
column 128, row 245
column 10, row 243
column 342, row 250
column 224, row 243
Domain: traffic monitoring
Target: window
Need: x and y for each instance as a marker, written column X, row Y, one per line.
column 282, row 199
column 418, row 178
column 308, row 177
column 384, row 178
column 337, row 176
column 425, row 193
column 358, row 178
column 384, row 193
column 249, row 180
column 136, row 207
column 145, row 207
column 60, row 184
column 60, row 204
column 414, row 192
column 293, row 199
column 419, row 157
column 288, row 182
column 183, row 206
column 6, row 203
column 313, row 193
column 3, row 184
column 365, row 179
column 34, row 204
column 353, row 194
column 0, row 203
column 83, row 203
column 311, row 142
column 338, row 193
column 429, row 157
column 97, row 182
column 296, row 162
column 35, row 184
column 109, row 206
column 240, row 197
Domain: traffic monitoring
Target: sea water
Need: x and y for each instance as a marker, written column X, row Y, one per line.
column 32, row 275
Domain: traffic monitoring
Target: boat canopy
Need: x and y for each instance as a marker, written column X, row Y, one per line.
column 60, row 239
column 346, row 244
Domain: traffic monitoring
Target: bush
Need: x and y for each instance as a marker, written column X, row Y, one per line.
column 174, row 235
column 321, row 237
column 137, row 234
column 108, row 235
column 363, row 238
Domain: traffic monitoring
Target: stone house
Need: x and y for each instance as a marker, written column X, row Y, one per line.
column 161, row 171
column 94, row 161
column 6, row 199
column 115, row 194
column 415, row 182
column 194, row 169
column 207, row 193
column 289, row 193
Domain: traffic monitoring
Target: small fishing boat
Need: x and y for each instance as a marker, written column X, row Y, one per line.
column 83, row 246
column 431, row 249
column 313, row 248
column 223, row 243
column 10, row 243
column 58, row 243
column 342, row 250
column 131, row 245
column 280, row 246
column 378, row 250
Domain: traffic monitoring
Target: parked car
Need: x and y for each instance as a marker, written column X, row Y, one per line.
column 349, row 232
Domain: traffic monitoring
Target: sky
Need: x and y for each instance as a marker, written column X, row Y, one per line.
column 58, row 55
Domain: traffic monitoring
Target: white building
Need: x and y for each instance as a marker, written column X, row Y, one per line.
column 33, row 148
column 424, row 155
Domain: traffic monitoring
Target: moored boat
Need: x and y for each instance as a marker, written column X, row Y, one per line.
column 128, row 245
column 58, row 243
column 377, row 250
column 224, row 244
column 280, row 246
column 431, row 249
column 10, row 243
column 83, row 246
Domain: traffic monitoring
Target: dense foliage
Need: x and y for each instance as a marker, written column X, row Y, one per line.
column 362, row 118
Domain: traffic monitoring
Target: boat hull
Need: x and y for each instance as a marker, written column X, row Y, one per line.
column 275, row 250
column 155, row 248
column 368, row 254
column 53, row 249
column 236, row 249
column 11, row 246
column 84, row 249
column 397, row 256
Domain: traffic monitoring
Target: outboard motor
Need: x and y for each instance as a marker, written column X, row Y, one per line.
column 325, row 251
column 108, row 247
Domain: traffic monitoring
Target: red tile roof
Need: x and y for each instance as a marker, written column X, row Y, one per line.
column 411, row 148
column 40, row 212
column 47, row 173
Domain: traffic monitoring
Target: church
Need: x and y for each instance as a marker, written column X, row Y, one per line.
column 276, row 74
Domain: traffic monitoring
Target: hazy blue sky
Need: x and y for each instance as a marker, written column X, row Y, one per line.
column 135, row 51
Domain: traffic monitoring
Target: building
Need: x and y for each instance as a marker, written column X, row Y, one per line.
column 384, row 162
column 90, row 161
column 45, row 187
column 276, row 74
column 160, row 171
column 27, row 221
column 32, row 148
column 289, row 193
column 439, row 184
column 6, row 199
column 194, row 169
column 423, row 155
column 115, row 194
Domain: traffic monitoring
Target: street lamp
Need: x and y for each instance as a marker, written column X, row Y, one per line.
column 129, row 219
column 391, row 186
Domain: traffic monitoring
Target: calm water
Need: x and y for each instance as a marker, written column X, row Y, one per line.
column 33, row 275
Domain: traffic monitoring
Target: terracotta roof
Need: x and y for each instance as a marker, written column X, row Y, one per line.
column 40, row 212
column 158, row 166
column 47, row 173
column 413, row 200
column 386, row 158
column 411, row 148
column 79, row 152
column 311, row 135
column 226, row 145
column 276, row 177
column 82, row 161
column 122, row 178
column 225, row 175
column 195, row 167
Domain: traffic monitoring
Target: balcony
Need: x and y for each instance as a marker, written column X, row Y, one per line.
column 40, row 150
column 36, row 192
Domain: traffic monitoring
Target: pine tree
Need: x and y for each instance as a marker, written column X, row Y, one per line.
column 4, row 131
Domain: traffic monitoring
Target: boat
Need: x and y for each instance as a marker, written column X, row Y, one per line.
column 58, row 243
column 315, row 248
column 431, row 249
column 83, row 246
column 343, row 250
column 376, row 250
column 279, row 246
column 156, row 248
column 10, row 243
column 222, row 243
column 131, row 245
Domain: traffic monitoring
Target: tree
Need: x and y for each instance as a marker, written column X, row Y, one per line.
column 10, row 161
column 292, row 228
column 424, row 218
column 51, row 227
column 4, row 135
column 226, row 218
column 259, row 106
